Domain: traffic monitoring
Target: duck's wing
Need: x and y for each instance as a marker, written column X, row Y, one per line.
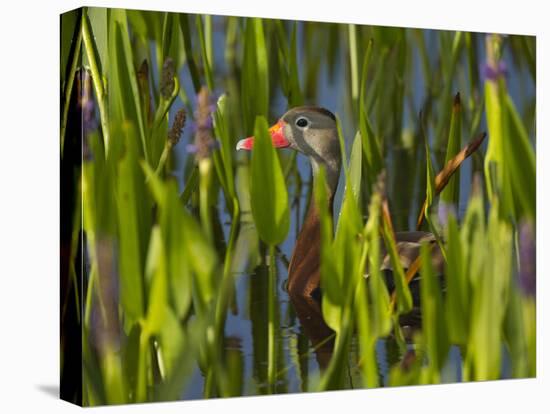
column 414, row 236
column 408, row 248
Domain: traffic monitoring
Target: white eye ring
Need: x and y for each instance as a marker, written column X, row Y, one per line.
column 302, row 122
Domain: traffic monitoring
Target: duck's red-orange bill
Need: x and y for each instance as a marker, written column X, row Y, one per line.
column 277, row 138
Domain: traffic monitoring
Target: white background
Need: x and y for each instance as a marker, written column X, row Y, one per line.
column 29, row 204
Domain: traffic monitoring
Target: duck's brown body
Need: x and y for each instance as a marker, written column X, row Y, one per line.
column 312, row 131
column 304, row 271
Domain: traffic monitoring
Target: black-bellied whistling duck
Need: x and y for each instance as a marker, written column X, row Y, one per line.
column 312, row 131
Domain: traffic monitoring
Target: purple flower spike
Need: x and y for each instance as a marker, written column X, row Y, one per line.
column 214, row 145
column 527, row 258
column 212, row 99
column 191, row 148
column 488, row 72
column 86, row 102
column 491, row 73
column 177, row 127
column 207, row 123
column 203, row 127
column 502, row 68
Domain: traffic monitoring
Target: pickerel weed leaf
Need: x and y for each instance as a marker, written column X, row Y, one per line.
column 450, row 194
column 269, row 196
column 446, row 173
column 433, row 322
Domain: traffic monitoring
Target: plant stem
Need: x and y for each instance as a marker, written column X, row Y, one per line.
column 141, row 382
column 271, row 350
column 205, row 170
column 190, row 185
column 163, row 157
column 163, row 108
column 167, row 28
column 332, row 377
column 352, row 32
column 235, row 224
column 219, row 376
column 205, row 52
column 187, row 44
column 96, row 80
column 69, row 87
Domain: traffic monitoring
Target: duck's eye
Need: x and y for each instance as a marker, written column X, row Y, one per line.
column 302, row 122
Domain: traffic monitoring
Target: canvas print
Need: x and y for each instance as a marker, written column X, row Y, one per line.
column 258, row 206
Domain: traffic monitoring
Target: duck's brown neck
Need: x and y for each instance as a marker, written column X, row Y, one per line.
column 305, row 265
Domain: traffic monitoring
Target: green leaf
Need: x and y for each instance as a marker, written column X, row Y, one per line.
column 433, row 322
column 193, row 70
column 268, row 191
column 333, row 295
column 180, row 281
column 370, row 145
column 97, row 17
column 430, row 178
column 404, row 298
column 449, row 63
column 296, row 96
column 179, row 348
column 520, row 157
column 346, row 248
column 283, row 55
column 367, row 341
column 190, row 185
column 176, row 351
column 355, row 168
column 255, row 74
column 340, row 258
column 186, row 250
column 450, row 193
column 516, row 335
column 92, row 59
column 489, row 300
column 378, row 293
column 71, row 60
column 223, row 160
column 205, row 55
column 354, row 65
column 124, row 96
column 457, row 309
column 288, row 64
column 158, row 288
column 70, row 28
column 341, row 271
column 510, row 161
column 472, row 235
column 167, row 35
column 132, row 206
column 146, row 24
column 203, row 260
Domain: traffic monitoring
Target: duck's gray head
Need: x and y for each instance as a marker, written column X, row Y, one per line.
column 312, row 131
